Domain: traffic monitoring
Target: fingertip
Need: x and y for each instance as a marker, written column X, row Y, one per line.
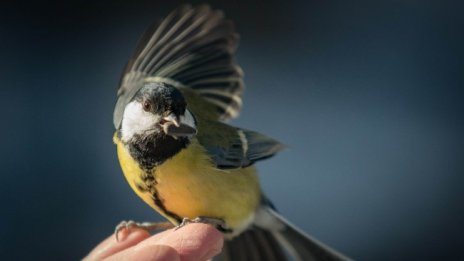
column 209, row 234
column 213, row 241
column 133, row 237
column 131, row 234
column 195, row 241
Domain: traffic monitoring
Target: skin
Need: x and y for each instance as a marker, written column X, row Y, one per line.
column 193, row 242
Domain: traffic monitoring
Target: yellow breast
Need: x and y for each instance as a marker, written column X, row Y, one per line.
column 190, row 186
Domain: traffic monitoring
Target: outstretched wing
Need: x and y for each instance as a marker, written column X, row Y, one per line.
column 231, row 147
column 191, row 48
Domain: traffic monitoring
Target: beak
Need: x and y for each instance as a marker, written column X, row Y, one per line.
column 178, row 126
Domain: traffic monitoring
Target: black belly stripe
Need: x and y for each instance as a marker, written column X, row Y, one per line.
column 159, row 202
column 149, row 186
column 151, row 151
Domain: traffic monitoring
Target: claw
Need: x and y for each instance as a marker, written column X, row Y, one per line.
column 216, row 222
column 185, row 221
column 123, row 225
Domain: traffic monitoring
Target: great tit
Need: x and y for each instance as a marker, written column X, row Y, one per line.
column 178, row 153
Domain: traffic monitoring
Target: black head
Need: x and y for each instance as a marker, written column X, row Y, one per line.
column 157, row 108
column 161, row 99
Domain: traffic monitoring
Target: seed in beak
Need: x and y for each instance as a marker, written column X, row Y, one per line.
column 170, row 118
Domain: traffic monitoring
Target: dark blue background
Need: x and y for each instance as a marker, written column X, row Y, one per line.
column 368, row 95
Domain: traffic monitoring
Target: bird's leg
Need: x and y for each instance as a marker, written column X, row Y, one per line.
column 147, row 226
column 216, row 222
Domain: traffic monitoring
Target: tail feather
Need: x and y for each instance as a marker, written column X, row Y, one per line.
column 255, row 244
column 272, row 238
column 297, row 244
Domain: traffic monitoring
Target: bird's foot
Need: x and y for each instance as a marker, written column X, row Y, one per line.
column 147, row 226
column 215, row 222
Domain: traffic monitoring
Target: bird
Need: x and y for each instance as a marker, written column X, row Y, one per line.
column 177, row 150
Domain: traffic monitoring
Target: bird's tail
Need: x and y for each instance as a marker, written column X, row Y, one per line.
column 272, row 238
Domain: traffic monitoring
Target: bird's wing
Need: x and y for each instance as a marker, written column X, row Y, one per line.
column 190, row 48
column 231, row 147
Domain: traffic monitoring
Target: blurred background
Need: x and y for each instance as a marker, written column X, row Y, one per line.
column 368, row 95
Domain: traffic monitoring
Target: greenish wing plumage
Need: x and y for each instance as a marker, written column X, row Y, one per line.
column 232, row 147
column 229, row 147
column 191, row 48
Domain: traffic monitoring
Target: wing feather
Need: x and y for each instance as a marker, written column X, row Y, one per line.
column 192, row 47
column 232, row 147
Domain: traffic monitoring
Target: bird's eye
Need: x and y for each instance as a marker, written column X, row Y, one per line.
column 146, row 106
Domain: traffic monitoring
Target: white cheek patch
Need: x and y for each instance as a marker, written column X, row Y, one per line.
column 136, row 121
column 188, row 119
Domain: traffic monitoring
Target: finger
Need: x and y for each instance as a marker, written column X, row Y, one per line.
column 192, row 242
column 110, row 246
column 149, row 253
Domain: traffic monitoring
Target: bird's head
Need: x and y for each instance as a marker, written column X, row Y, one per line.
column 158, row 109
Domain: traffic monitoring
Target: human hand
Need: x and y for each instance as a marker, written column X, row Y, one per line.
column 193, row 242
